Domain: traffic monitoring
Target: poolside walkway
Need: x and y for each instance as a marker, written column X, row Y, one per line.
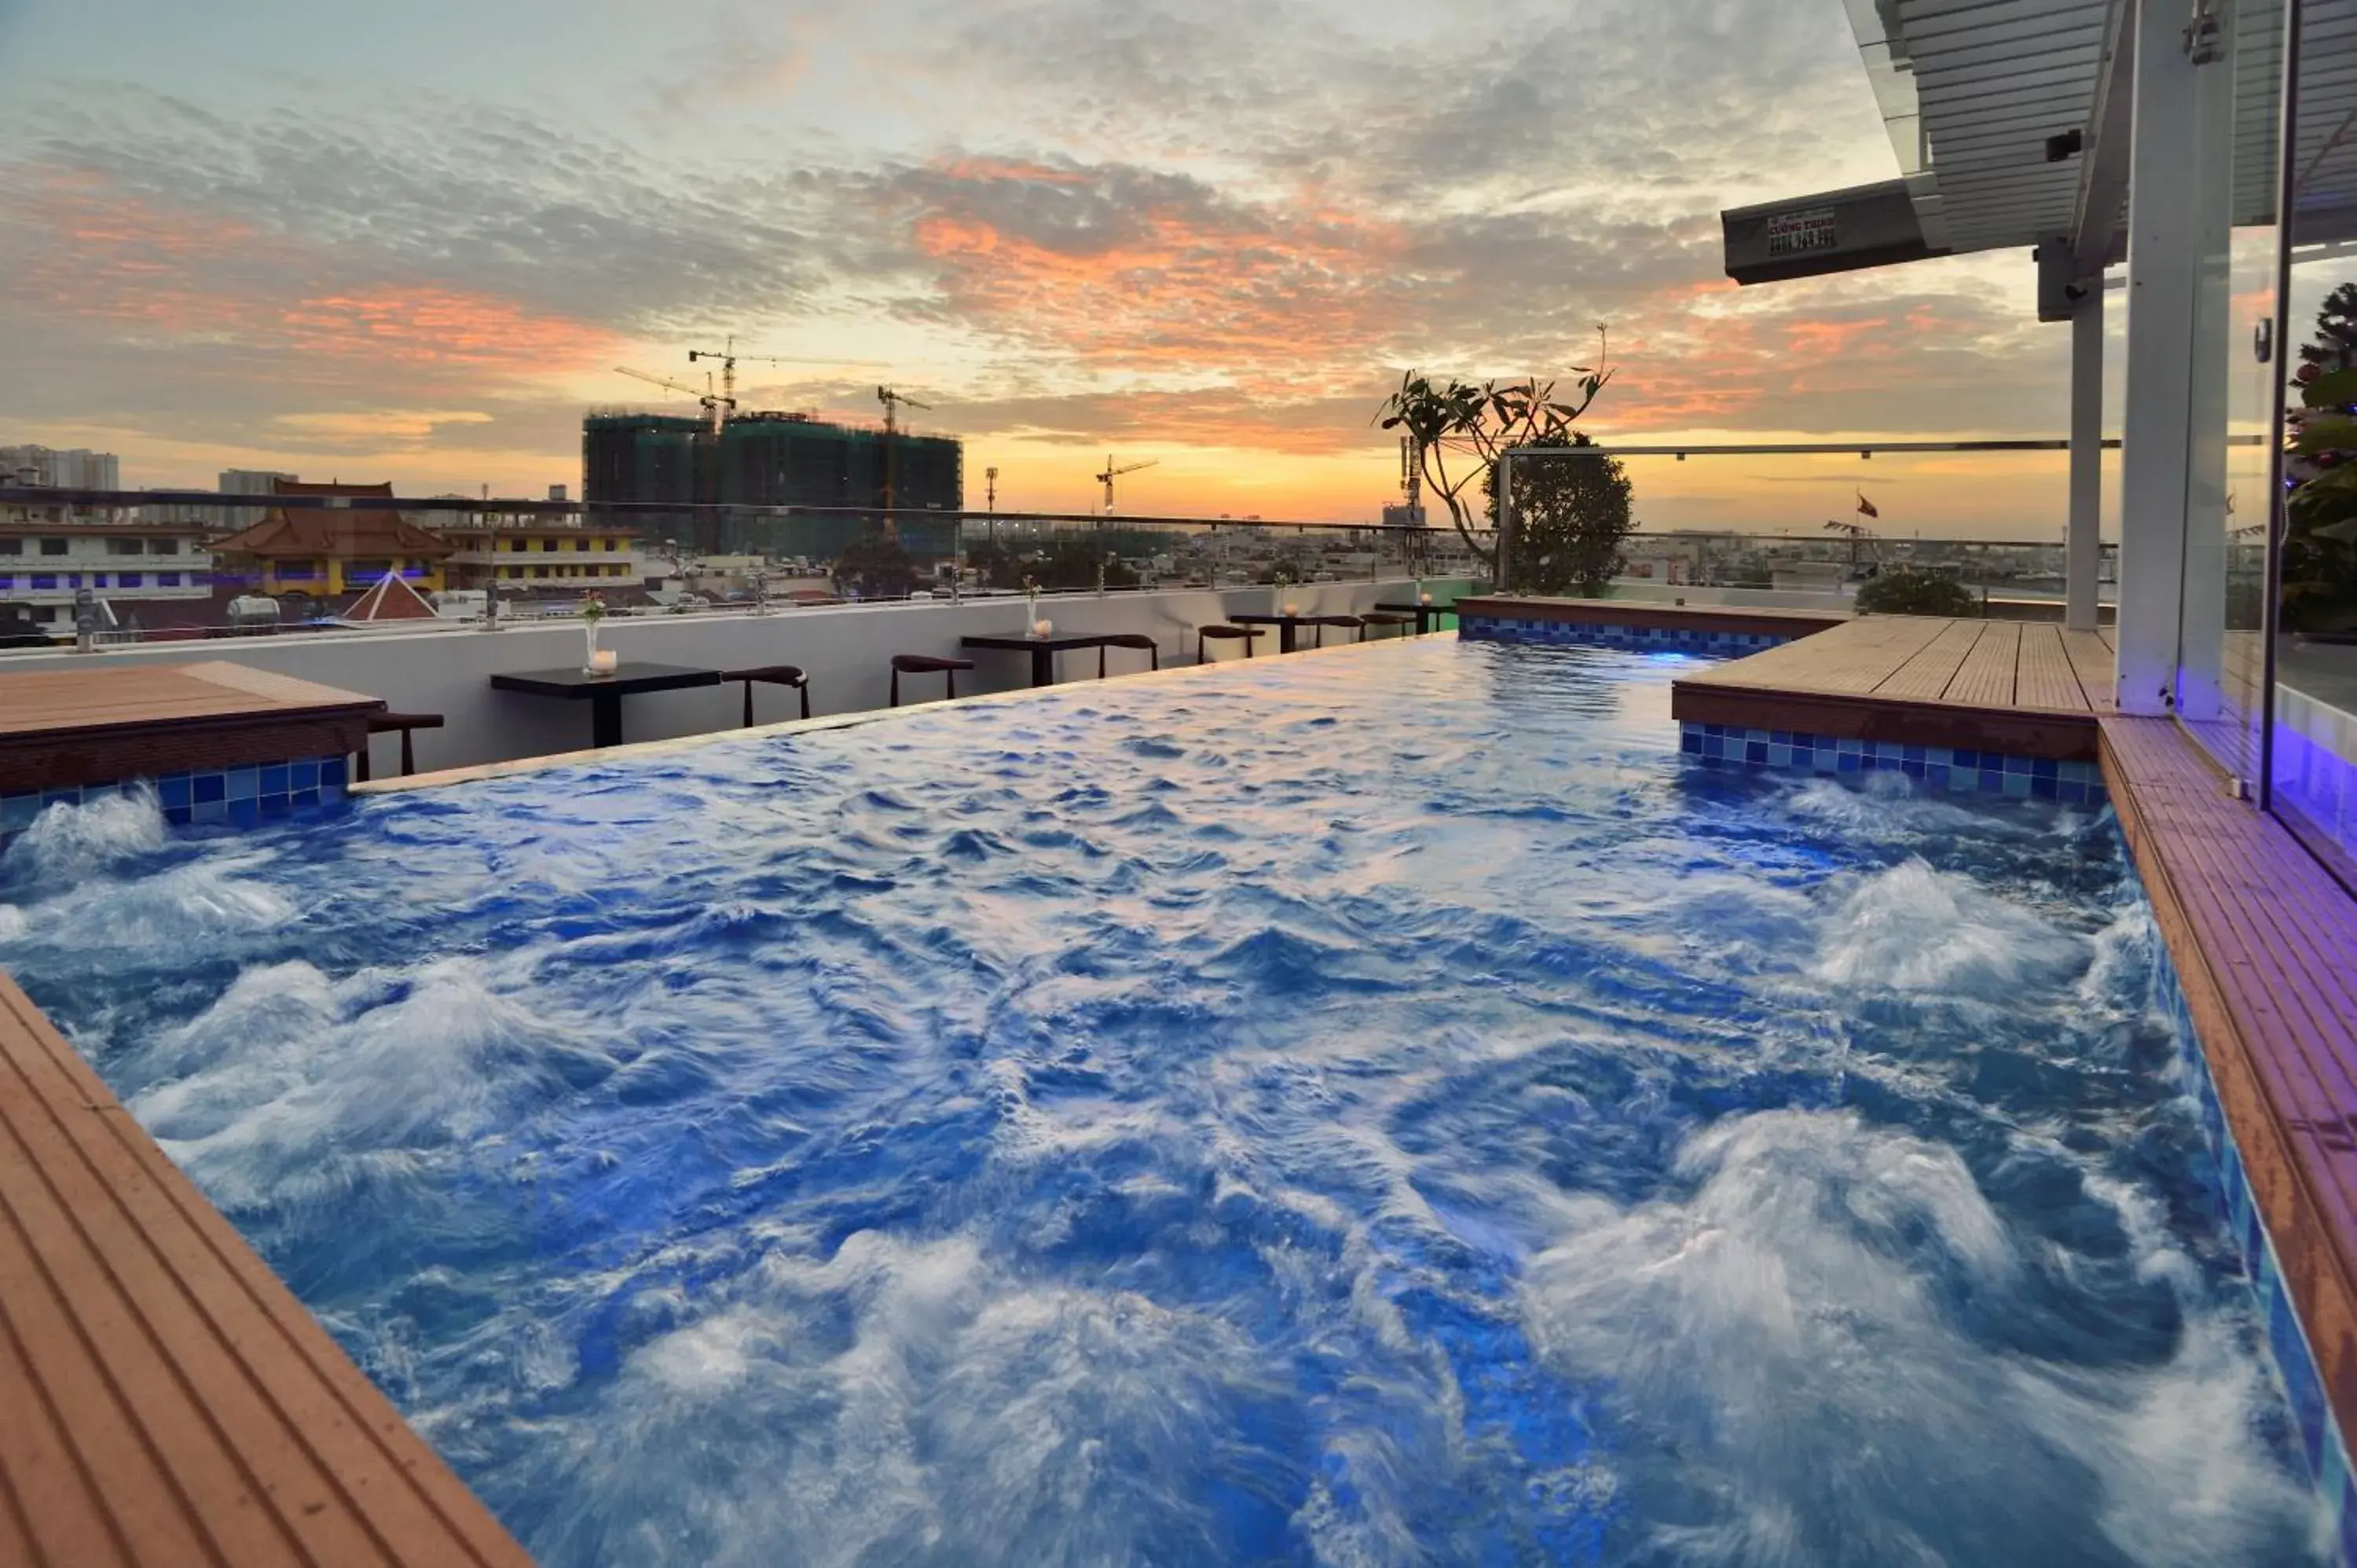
column 163, row 1399
column 2264, row 944
column 2027, row 688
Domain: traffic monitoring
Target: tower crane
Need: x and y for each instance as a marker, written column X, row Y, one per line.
column 717, row 405
column 728, row 356
column 894, row 403
column 1861, row 538
column 1111, row 473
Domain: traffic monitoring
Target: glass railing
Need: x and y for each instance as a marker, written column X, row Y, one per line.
column 494, row 562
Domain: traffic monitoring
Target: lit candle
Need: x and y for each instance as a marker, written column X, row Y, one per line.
column 1427, row 598
column 1292, row 609
column 1042, row 627
column 602, row 662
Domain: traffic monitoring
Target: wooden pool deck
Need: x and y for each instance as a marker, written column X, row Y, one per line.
column 163, row 1398
column 2026, row 688
column 2265, row 944
column 71, row 727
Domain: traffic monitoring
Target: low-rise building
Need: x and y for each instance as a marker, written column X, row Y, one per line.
column 45, row 564
column 328, row 552
column 539, row 554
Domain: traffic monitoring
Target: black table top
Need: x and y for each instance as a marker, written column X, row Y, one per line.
column 627, row 680
column 1058, row 644
column 1429, row 609
column 1273, row 621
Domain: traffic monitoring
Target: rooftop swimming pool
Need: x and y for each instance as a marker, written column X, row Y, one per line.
column 1373, row 1108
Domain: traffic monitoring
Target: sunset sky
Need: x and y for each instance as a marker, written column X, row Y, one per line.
column 411, row 241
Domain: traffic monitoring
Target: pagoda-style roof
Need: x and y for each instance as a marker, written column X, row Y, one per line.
column 359, row 532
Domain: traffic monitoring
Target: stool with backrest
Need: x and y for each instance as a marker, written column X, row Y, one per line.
column 1375, row 618
column 925, row 665
column 1136, row 639
column 1224, row 634
column 387, row 723
column 774, row 674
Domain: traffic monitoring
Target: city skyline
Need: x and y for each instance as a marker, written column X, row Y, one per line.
column 1209, row 235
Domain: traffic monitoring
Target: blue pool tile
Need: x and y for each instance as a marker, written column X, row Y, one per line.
column 208, row 788
column 1847, row 762
column 277, row 805
column 172, row 789
column 67, row 797
column 1967, row 758
column 2072, row 793
column 1992, row 780
column 332, row 772
column 275, row 780
column 178, row 816
column 244, row 811
column 17, row 811
column 1691, row 743
column 2045, row 767
column 244, row 783
column 303, row 775
column 2044, row 789
column 204, row 810
column 303, row 798
column 1936, row 776
column 1755, row 751
column 1913, row 767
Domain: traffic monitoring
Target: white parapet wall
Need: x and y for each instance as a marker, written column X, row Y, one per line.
column 845, row 649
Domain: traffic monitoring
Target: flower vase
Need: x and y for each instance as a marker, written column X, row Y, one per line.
column 1031, row 614
column 589, row 652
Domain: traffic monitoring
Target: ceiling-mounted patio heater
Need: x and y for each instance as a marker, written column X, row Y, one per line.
column 1838, row 231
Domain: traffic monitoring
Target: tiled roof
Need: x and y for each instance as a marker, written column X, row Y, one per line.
column 359, row 533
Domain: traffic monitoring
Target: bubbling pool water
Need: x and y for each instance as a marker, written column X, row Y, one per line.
column 1372, row 1108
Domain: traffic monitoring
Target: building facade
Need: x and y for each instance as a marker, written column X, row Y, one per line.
column 47, row 563
column 539, row 554
column 770, row 460
column 325, row 552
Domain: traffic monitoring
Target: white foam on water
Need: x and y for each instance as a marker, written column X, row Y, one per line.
column 288, row 1079
column 906, row 1400
column 69, row 842
column 1791, row 1332
column 1912, row 927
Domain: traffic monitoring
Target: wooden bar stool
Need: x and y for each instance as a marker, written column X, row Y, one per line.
column 386, row 724
column 776, row 675
column 1375, row 618
column 925, row 665
column 1224, row 634
column 1135, row 640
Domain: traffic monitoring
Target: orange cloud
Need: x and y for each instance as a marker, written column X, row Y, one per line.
column 195, row 279
column 1254, row 294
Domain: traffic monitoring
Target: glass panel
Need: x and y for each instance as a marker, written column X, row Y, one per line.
column 2314, row 773
column 2220, row 672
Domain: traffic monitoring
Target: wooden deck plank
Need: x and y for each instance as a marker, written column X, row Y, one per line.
column 1928, row 674
column 2043, row 678
column 1986, row 679
column 2264, row 942
column 1853, row 659
column 209, row 1416
column 2092, row 662
column 49, row 702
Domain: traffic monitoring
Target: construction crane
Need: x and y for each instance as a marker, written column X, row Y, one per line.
column 894, row 403
column 1860, row 537
column 728, row 357
column 1111, row 473
column 715, row 404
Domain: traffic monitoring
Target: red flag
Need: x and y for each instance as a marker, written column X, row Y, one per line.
column 1865, row 507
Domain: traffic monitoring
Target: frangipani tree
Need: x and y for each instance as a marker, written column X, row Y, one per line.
column 1460, row 428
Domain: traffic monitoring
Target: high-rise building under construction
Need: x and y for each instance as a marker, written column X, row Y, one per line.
column 772, row 460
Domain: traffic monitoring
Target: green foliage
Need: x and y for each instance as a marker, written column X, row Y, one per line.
column 1903, row 591
column 873, row 567
column 1571, row 517
column 1055, row 564
column 2320, row 542
column 1458, row 428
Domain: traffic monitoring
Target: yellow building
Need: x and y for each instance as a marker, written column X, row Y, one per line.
column 329, row 552
column 540, row 554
